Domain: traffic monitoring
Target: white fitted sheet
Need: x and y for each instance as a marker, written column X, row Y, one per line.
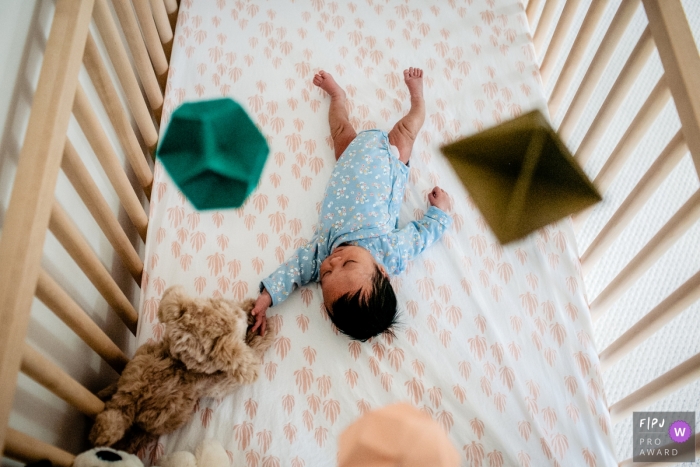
column 494, row 343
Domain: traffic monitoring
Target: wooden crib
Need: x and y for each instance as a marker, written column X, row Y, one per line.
column 141, row 67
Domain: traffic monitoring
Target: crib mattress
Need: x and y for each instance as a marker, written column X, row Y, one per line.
column 494, row 342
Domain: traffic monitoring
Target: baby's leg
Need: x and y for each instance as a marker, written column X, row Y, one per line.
column 342, row 131
column 406, row 130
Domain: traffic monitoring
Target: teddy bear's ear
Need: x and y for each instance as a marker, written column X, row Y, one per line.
column 172, row 304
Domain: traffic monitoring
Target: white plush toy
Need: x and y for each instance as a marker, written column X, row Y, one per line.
column 209, row 453
column 106, row 457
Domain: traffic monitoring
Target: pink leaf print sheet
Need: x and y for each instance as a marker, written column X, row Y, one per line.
column 493, row 341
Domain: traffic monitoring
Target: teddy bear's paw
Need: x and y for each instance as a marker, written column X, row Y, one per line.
column 262, row 343
column 110, row 426
column 248, row 304
column 247, row 374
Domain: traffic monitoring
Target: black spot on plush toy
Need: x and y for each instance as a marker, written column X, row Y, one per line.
column 41, row 463
column 106, row 457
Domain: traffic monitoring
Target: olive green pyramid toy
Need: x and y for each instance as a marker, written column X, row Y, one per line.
column 214, row 153
column 521, row 176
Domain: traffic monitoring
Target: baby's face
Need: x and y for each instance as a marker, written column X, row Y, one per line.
column 347, row 269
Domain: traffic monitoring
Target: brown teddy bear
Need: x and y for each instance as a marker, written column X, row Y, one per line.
column 206, row 351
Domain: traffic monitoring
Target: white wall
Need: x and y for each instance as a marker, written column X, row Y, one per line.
column 24, row 28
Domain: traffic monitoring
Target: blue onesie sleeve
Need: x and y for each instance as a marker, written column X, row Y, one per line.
column 297, row 271
column 418, row 235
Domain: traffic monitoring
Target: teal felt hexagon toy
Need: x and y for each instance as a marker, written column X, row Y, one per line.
column 214, row 153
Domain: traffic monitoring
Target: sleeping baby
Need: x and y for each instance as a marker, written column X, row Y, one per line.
column 357, row 245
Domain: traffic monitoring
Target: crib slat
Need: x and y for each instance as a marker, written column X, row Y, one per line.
column 63, row 306
column 170, row 6
column 110, row 163
column 27, row 216
column 74, row 243
column 647, row 185
column 122, row 66
column 151, row 37
column 533, row 7
column 120, row 122
column 87, row 190
column 24, row 448
column 642, row 122
column 678, row 301
column 53, row 378
column 160, row 15
column 544, row 25
column 675, row 378
column 134, row 40
column 602, row 57
column 624, row 82
column 684, row 218
column 576, row 54
column 648, row 113
column 679, row 56
column 562, row 28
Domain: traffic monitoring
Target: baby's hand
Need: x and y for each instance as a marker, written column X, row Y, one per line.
column 439, row 198
column 259, row 310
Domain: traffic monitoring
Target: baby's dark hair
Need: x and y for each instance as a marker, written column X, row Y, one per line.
column 361, row 317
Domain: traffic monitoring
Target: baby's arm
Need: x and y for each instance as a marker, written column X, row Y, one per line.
column 297, row 271
column 419, row 235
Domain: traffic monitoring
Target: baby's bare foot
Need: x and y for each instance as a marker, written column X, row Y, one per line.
column 325, row 81
column 414, row 82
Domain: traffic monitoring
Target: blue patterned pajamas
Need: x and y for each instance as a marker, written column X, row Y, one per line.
column 361, row 207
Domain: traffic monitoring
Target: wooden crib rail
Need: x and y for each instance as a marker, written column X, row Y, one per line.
column 664, row 239
column 33, row 209
column 63, row 306
column 152, row 38
column 612, row 38
column 117, row 54
column 629, row 74
column 640, row 194
column 576, row 54
column 75, row 244
column 120, row 121
column 682, row 298
column 90, row 194
column 27, row 449
column 543, row 25
column 668, row 31
column 29, row 211
column 160, row 16
column 673, row 379
column 641, row 124
column 46, row 373
column 557, row 42
column 149, row 80
column 681, row 61
column 97, row 138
